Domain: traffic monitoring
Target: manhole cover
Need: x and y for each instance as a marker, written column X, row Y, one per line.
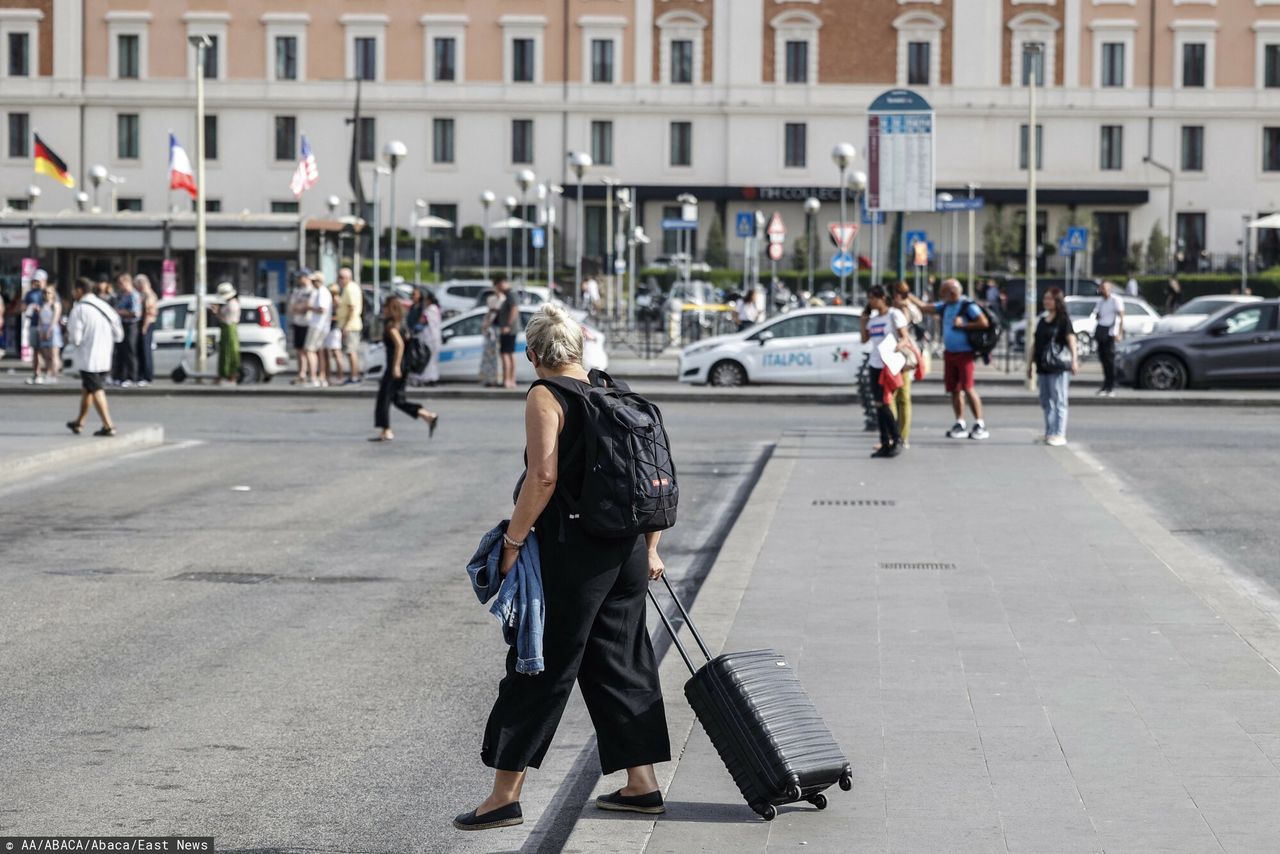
column 854, row 502
column 926, row 566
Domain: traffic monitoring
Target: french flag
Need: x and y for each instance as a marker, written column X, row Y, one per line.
column 181, row 177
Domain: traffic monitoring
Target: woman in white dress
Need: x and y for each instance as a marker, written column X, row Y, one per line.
column 432, row 334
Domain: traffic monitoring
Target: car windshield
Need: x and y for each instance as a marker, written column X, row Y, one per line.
column 1204, row 306
column 1077, row 308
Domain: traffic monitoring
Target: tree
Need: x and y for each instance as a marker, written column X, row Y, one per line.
column 800, row 255
column 998, row 239
column 1157, row 250
column 716, row 254
column 1136, row 252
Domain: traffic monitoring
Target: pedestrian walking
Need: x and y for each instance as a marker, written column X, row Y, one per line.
column 594, row 598
column 1110, row 315
column 299, row 309
column 394, row 376
column 129, row 307
column 351, row 322
column 432, row 334
column 591, row 295
column 881, row 321
column 227, row 316
column 32, row 304
column 917, row 361
column 490, row 360
column 958, row 316
column 1056, row 361
column 319, row 315
column 150, row 312
column 508, row 329
column 95, row 331
column 1172, row 296
column 49, row 332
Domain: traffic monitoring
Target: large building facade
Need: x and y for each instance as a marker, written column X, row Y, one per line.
column 737, row 101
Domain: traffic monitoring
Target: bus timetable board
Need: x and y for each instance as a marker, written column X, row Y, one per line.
column 900, row 155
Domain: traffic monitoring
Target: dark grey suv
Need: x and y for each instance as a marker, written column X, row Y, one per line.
column 1239, row 345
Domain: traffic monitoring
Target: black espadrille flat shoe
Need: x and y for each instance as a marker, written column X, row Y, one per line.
column 651, row 803
column 507, row 816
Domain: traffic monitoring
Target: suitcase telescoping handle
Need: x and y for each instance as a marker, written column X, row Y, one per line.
column 688, row 621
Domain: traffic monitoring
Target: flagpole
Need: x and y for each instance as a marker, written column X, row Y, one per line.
column 201, row 43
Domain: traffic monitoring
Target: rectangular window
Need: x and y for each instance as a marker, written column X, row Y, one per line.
column 445, row 59
column 522, row 60
column 1113, row 63
column 1191, row 240
column 18, row 204
column 681, row 61
column 211, row 59
column 672, row 241
column 1033, row 63
column 286, row 138
column 1193, row 148
column 918, row 63
column 442, row 140
column 133, row 204
column 286, row 57
column 522, row 140
column 128, row 57
column 366, row 58
column 284, row 207
column 602, row 60
column 1112, row 148
column 19, row 135
column 1022, row 147
column 602, row 143
column 1193, row 54
column 1271, row 67
column 210, row 205
column 796, row 146
column 367, row 149
column 210, row 137
column 682, row 143
column 19, row 55
column 797, row 62
column 1271, row 149
column 445, row 212
column 127, row 136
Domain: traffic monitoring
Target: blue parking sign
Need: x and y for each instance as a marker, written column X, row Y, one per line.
column 538, row 238
column 746, row 224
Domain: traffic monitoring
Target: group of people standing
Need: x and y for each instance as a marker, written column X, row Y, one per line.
column 326, row 322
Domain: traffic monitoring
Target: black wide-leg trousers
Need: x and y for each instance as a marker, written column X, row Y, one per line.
column 595, row 595
column 391, row 392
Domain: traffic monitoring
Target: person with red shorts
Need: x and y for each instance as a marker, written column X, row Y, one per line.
column 959, row 315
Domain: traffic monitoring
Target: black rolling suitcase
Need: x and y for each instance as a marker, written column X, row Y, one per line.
column 762, row 723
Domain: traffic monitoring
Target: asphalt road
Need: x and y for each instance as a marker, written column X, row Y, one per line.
column 153, row 683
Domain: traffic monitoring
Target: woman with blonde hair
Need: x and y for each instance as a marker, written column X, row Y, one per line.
column 594, row 599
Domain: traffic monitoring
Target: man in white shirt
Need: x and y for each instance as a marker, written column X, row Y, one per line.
column 319, row 319
column 94, row 329
column 1131, row 286
column 1110, row 315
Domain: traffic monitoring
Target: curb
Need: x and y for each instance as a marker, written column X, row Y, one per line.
column 85, row 449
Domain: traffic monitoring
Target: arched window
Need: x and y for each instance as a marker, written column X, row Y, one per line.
column 919, row 48
column 1033, row 28
column 795, row 47
column 680, row 59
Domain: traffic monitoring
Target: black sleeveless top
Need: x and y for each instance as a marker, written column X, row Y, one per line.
column 570, row 454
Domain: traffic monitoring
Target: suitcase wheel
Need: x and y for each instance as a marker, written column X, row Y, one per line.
column 768, row 812
column 846, row 780
column 793, row 792
column 819, row 800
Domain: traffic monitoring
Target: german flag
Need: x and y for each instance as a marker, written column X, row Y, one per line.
column 48, row 163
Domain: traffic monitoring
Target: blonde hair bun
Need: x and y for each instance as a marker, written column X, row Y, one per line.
column 554, row 337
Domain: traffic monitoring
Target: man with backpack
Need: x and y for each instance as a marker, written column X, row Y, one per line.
column 968, row 331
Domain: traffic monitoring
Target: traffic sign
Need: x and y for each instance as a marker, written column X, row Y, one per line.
column 842, row 264
column 1064, row 248
column 1078, row 238
column 746, row 224
column 914, row 237
column 775, row 251
column 619, row 265
column 842, row 234
column 777, row 229
column 900, row 147
column 670, row 224
column 538, row 238
column 962, row 204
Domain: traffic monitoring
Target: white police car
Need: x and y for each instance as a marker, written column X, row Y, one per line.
column 811, row 345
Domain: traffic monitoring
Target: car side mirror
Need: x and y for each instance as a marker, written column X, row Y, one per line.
column 1219, row 329
column 446, row 334
column 764, row 337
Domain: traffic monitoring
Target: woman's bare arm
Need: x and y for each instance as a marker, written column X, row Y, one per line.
column 543, row 420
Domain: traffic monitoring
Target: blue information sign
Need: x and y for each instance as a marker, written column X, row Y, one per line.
column 1064, row 248
column 962, row 204
column 746, row 223
column 538, row 238
column 1078, row 238
column 679, row 225
column 842, row 264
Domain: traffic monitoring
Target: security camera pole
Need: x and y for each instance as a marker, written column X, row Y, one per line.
column 1032, row 53
column 201, row 43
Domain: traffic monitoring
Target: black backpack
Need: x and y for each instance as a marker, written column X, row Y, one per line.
column 629, row 487
column 417, row 355
column 982, row 341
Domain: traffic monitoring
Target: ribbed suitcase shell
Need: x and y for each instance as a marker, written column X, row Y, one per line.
column 766, row 729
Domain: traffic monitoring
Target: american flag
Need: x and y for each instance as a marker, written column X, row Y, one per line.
column 307, row 173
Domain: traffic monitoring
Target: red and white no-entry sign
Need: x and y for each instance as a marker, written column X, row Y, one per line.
column 775, row 251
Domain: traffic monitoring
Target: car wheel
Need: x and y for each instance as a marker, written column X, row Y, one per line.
column 1163, row 372
column 727, row 374
column 251, row 370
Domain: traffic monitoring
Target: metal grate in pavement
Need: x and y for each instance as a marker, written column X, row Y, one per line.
column 925, row 566
column 854, row 502
column 261, row 577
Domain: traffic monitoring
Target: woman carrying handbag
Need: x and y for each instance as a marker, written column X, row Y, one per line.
column 1056, row 359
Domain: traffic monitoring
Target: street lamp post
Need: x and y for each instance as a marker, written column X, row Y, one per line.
column 511, row 202
column 611, row 297
column 579, row 162
column 811, row 208
column 33, row 196
column 487, row 198
column 98, row 174
column 843, row 156
column 618, row 242
column 419, row 211
column 525, row 179
column 201, row 43
column 378, row 172
column 942, row 199
column 394, row 151
column 1032, row 53
column 858, row 183
column 973, row 260
column 554, row 192
column 82, row 200
column 1169, row 224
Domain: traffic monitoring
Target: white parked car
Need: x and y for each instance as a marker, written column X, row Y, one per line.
column 263, row 351
column 1192, row 313
column 1139, row 319
column 807, row 346
column 458, row 295
column 464, row 345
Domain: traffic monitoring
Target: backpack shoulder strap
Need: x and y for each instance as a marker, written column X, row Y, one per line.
column 600, row 379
